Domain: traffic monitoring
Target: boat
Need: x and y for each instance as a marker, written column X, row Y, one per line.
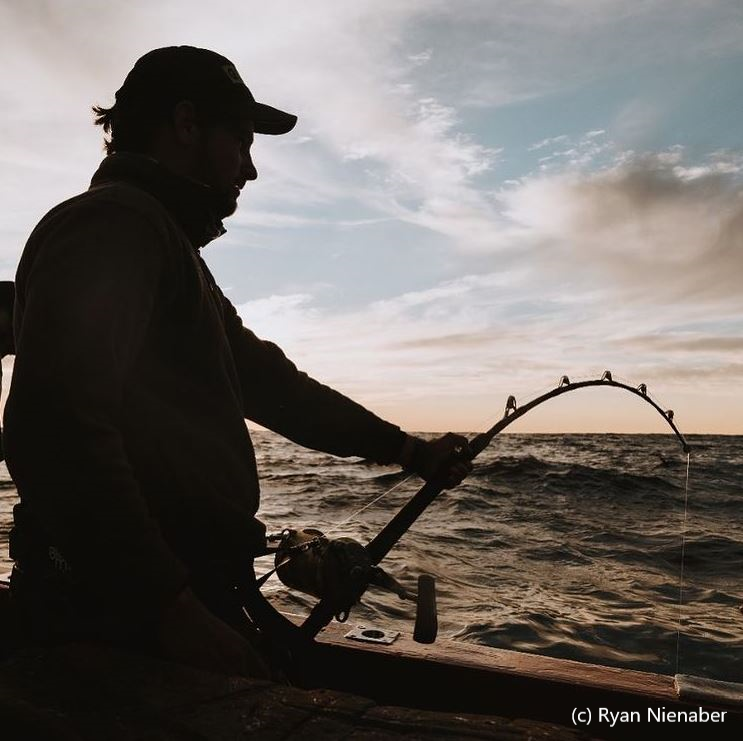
column 367, row 682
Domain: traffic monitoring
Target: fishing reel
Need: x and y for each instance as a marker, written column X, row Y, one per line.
column 340, row 570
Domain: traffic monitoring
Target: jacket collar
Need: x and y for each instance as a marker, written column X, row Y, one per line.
column 189, row 202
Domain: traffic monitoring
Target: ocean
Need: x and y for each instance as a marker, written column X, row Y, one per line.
column 562, row 545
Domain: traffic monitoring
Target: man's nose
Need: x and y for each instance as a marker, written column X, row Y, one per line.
column 248, row 168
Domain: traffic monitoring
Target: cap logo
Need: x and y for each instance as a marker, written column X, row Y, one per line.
column 233, row 74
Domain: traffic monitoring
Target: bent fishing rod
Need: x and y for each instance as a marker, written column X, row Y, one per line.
column 324, row 611
column 340, row 570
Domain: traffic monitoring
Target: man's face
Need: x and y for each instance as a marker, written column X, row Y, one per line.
column 224, row 162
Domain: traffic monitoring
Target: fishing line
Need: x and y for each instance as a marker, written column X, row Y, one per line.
column 683, row 548
column 336, row 525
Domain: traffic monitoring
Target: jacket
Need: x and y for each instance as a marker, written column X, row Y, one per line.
column 125, row 424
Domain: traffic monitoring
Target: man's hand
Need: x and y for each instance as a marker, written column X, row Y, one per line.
column 192, row 635
column 446, row 459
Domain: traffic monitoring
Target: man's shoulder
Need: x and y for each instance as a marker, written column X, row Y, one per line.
column 108, row 199
column 110, row 217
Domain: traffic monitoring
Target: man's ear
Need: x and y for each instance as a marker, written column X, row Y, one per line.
column 185, row 124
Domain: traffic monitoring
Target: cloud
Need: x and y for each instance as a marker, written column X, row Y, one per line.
column 509, row 325
column 648, row 226
column 453, row 351
column 723, row 375
column 377, row 86
column 683, row 343
column 421, row 57
column 550, row 141
column 561, row 270
column 447, row 342
column 527, row 50
column 343, row 67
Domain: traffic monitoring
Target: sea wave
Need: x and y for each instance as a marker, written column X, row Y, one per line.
column 567, row 545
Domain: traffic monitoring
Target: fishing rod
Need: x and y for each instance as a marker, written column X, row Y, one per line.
column 328, row 607
column 340, row 570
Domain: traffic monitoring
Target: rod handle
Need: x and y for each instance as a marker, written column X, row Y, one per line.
column 426, row 619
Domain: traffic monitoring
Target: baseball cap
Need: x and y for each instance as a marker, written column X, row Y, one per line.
column 175, row 73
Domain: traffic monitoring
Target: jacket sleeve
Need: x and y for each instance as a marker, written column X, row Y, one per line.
column 86, row 291
column 280, row 397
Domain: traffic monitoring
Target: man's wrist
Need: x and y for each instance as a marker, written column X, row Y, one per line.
column 407, row 452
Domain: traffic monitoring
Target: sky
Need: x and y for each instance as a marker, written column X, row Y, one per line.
column 479, row 196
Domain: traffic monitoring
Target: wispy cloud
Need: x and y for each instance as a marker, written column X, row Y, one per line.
column 421, row 57
column 528, row 50
column 522, row 330
column 685, row 343
column 549, row 142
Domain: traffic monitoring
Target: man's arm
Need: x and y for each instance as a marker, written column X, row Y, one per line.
column 279, row 396
column 286, row 400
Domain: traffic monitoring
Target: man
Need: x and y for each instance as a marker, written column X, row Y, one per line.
column 125, row 424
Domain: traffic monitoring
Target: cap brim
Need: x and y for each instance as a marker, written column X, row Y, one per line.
column 268, row 120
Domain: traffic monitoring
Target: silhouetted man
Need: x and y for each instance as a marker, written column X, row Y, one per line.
column 125, row 424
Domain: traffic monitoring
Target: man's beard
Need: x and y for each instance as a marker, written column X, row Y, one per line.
column 222, row 204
